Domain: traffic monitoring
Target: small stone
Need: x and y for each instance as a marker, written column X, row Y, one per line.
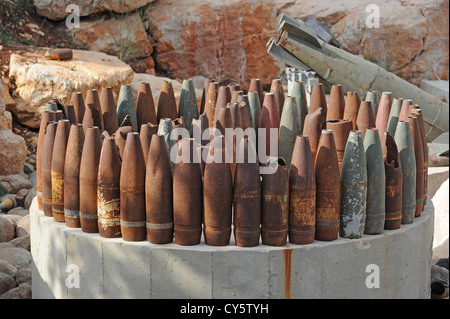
column 14, row 183
column 29, row 199
column 24, row 275
column 7, row 268
column 6, row 230
column 21, row 242
column 21, row 195
column 12, row 218
column 18, row 257
column 28, row 168
column 6, row 283
column 21, row 292
column 21, row 211
column 23, row 227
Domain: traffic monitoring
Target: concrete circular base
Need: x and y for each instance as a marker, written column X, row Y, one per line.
column 68, row 263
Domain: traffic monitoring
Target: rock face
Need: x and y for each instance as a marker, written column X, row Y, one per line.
column 224, row 40
column 37, row 79
column 56, row 10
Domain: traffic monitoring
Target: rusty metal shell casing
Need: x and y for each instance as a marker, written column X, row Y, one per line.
column 167, row 105
column 90, row 158
column 46, row 167
column 276, row 87
column 235, row 93
column 126, row 106
column 372, row 96
column 290, row 128
column 217, row 195
column 145, row 105
column 393, row 115
column 120, row 137
column 108, row 190
column 247, row 196
column 59, row 115
column 77, row 100
column 351, row 109
column 353, row 188
column 201, row 106
column 93, row 99
column 70, row 113
column 403, row 139
column 418, row 112
column 158, row 193
column 269, row 119
column 255, row 110
column 210, row 102
column 365, row 118
column 47, row 117
column 299, row 92
column 382, row 117
column 92, row 117
column 376, row 183
column 416, row 133
column 145, row 135
column 132, row 191
column 328, row 188
column 405, row 111
column 60, row 54
column 223, row 98
column 341, row 129
column 58, row 158
column 109, row 113
column 275, row 204
column 302, row 194
column 318, row 100
column 187, row 194
column 336, row 103
column 187, row 107
column 393, row 197
column 255, row 86
column 224, row 119
column 314, row 123
column 198, row 127
column 246, row 115
column 72, row 164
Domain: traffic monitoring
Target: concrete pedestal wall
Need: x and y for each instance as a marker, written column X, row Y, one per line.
column 68, row 263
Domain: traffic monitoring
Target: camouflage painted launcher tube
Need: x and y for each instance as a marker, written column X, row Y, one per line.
column 275, row 204
column 132, row 191
column 187, row 194
column 58, row 157
column 217, row 196
column 353, row 188
column 328, row 188
column 108, row 190
column 404, row 141
column 47, row 154
column 187, row 107
column 299, row 92
column 247, row 197
column 302, row 194
column 90, row 158
column 158, row 193
column 393, row 197
column 376, row 183
column 72, row 176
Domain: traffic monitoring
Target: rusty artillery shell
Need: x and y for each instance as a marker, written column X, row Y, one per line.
column 393, row 197
column 351, row 109
column 318, row 100
column 58, row 157
column 126, row 106
column 223, row 98
column 77, row 101
column 187, row 194
column 46, row 168
column 372, row 96
column 50, row 107
column 59, row 115
column 70, row 113
column 47, row 117
column 165, row 128
column 405, row 111
column 418, row 112
column 145, row 106
column 336, row 103
column 255, row 109
column 314, row 122
column 132, row 191
column 376, row 183
column 109, row 113
column 210, row 102
column 290, row 127
column 145, row 135
column 341, row 129
column 275, row 204
column 353, row 188
column 187, row 107
column 255, row 86
column 365, row 118
column 120, row 137
column 270, row 118
column 201, row 106
column 276, row 87
column 167, row 105
column 108, row 190
column 246, row 114
column 382, row 117
column 72, row 164
column 416, row 133
column 299, row 92
column 92, row 97
column 158, row 193
column 92, row 117
column 198, row 127
column 60, row 54
column 403, row 139
column 302, row 194
column 224, row 119
column 247, row 196
column 90, row 158
column 217, row 195
column 328, row 188
column 235, row 94
column 393, row 115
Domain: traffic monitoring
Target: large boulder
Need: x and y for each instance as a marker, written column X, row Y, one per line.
column 38, row 79
column 56, row 10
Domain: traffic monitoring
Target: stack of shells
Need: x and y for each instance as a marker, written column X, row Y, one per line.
column 340, row 168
